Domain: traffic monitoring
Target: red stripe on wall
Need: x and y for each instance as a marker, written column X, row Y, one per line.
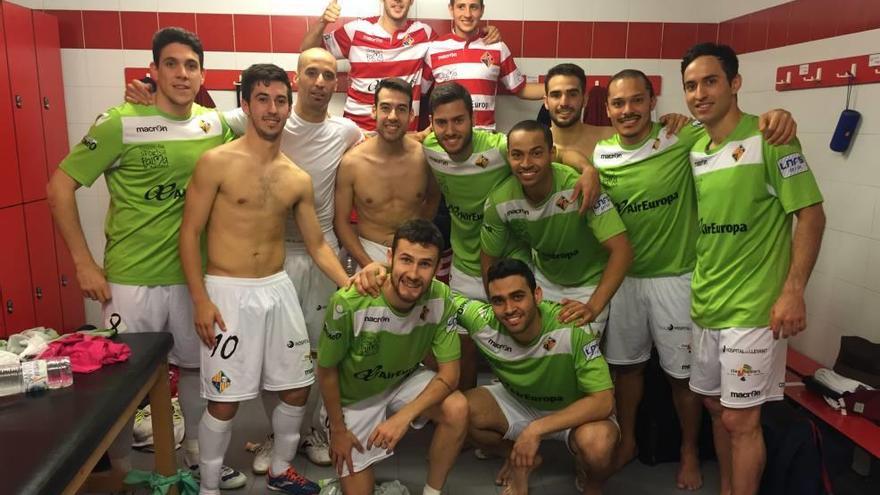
column 786, row 24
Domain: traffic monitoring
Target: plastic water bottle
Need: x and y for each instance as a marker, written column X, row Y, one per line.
column 31, row 377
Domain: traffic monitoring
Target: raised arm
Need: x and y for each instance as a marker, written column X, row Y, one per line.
column 200, row 195
column 531, row 91
column 788, row 316
column 61, row 194
column 319, row 250
column 344, row 203
column 312, row 39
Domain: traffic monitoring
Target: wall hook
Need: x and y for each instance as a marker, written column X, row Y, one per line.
column 787, row 79
column 816, row 78
column 850, row 73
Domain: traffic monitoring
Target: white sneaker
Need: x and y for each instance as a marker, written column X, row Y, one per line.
column 230, row 478
column 263, row 456
column 316, row 448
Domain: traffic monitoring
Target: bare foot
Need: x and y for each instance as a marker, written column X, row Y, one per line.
column 518, row 480
column 625, row 453
column 503, row 475
column 689, row 476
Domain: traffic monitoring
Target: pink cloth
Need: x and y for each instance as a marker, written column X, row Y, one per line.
column 87, row 353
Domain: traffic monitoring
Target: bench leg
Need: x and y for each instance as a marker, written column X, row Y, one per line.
column 163, row 428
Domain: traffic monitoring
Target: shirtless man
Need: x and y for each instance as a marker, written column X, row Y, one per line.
column 242, row 192
column 386, row 179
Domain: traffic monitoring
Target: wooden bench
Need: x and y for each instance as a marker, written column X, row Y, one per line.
column 864, row 433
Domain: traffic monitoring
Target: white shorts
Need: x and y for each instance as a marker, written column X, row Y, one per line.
column 312, row 286
column 265, row 337
column 651, row 310
column 519, row 415
column 376, row 252
column 160, row 308
column 556, row 293
column 468, row 285
column 362, row 418
column 744, row 366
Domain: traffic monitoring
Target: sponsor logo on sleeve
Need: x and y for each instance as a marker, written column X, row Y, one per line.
column 89, row 142
column 602, row 205
column 331, row 333
column 591, row 350
column 791, row 165
column 338, row 312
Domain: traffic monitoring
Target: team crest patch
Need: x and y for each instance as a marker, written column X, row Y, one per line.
column 563, row 203
column 424, row 314
column 408, row 41
column 738, row 153
column 656, row 145
column 487, row 59
column 482, row 161
column 591, row 350
column 205, row 126
column 791, row 165
column 549, row 344
column 368, row 344
column 220, row 381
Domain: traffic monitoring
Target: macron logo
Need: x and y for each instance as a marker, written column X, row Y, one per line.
column 151, row 128
column 377, row 319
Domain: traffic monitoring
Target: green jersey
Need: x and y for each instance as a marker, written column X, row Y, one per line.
column 147, row 158
column 560, row 366
column 652, row 187
column 465, row 185
column 375, row 348
column 565, row 246
column 747, row 191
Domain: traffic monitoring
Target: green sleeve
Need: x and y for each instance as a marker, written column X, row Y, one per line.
column 337, row 333
column 790, row 176
column 471, row 314
column 495, row 232
column 97, row 151
column 604, row 220
column 690, row 133
column 446, row 344
column 589, row 365
column 228, row 133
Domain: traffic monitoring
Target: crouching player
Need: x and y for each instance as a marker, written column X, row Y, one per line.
column 553, row 382
column 369, row 366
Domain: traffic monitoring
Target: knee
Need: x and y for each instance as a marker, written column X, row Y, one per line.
column 295, row 397
column 713, row 405
column 595, row 443
column 739, row 422
column 224, row 411
column 455, row 410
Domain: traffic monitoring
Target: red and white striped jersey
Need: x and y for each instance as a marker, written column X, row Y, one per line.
column 375, row 55
column 476, row 66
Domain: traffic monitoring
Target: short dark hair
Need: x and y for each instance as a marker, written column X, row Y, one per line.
column 419, row 231
column 566, row 69
column 508, row 267
column 725, row 55
column 166, row 36
column 450, row 92
column 532, row 126
column 452, row 2
column 394, row 84
column 263, row 73
column 634, row 74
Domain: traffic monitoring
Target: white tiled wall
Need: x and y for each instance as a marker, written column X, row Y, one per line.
column 843, row 297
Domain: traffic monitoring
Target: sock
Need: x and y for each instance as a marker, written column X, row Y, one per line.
column 214, row 437
column 430, row 491
column 192, row 406
column 313, row 412
column 286, row 420
column 270, row 402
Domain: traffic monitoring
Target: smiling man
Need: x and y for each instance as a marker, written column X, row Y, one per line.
column 146, row 154
column 386, row 179
column 370, row 372
column 463, row 56
column 246, row 308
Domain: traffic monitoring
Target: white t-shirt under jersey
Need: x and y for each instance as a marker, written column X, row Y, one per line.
column 316, row 148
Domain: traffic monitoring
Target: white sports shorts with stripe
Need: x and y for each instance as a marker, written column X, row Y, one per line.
column 361, row 418
column 265, row 338
column 161, row 308
column 744, row 366
column 651, row 310
column 556, row 293
column 312, row 286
